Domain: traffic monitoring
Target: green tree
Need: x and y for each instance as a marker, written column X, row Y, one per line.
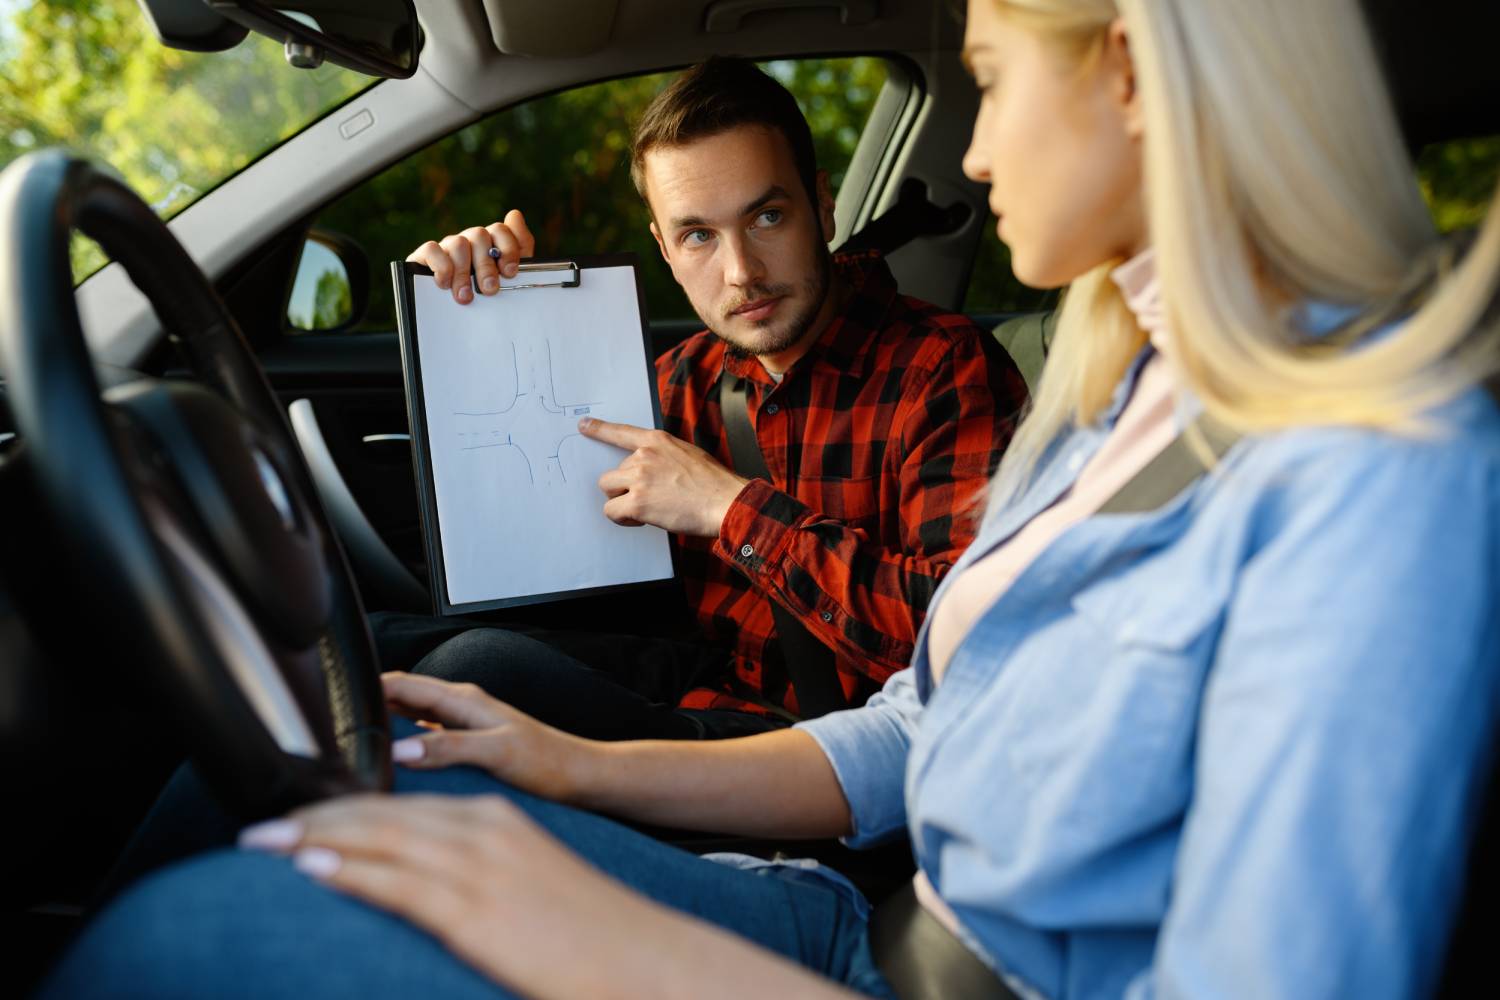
column 90, row 75
column 565, row 161
column 332, row 303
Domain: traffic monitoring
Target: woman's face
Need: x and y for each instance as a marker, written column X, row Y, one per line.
column 1058, row 141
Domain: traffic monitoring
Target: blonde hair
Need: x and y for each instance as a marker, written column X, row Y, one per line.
column 1275, row 173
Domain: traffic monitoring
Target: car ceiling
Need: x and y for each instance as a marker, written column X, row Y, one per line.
column 463, row 54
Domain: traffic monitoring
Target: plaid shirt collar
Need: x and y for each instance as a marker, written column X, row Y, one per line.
column 844, row 346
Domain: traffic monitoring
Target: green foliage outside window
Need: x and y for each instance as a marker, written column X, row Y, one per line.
column 1458, row 179
column 564, row 160
column 91, row 76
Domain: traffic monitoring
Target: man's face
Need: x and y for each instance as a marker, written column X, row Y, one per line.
column 742, row 238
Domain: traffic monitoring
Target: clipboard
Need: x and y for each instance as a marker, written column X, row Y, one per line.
column 506, row 487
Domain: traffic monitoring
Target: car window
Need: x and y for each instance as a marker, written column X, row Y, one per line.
column 1457, row 178
column 91, row 76
column 993, row 288
column 563, row 160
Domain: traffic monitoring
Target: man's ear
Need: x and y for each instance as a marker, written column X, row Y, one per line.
column 1127, row 94
column 825, row 208
column 660, row 243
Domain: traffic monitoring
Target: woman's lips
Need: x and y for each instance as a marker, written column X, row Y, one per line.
column 758, row 310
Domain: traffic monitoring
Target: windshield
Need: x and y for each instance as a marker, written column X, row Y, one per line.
column 90, row 75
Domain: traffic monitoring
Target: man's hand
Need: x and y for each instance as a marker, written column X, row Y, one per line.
column 663, row 481
column 486, row 733
column 451, row 257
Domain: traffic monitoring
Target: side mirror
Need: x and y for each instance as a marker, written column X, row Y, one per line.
column 376, row 37
column 331, row 289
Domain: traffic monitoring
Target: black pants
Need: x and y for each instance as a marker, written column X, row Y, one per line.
column 604, row 687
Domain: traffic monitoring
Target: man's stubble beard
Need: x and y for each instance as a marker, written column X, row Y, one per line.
column 816, row 286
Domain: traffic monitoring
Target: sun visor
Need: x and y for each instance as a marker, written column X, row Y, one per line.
column 558, row 28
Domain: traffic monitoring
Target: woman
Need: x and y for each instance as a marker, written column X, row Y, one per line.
column 1230, row 743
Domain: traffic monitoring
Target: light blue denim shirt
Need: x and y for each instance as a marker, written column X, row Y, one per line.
column 1231, row 747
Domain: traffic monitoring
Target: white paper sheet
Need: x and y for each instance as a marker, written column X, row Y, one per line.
column 505, row 380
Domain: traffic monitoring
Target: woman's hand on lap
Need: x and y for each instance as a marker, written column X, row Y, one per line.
column 484, row 732
column 475, row 872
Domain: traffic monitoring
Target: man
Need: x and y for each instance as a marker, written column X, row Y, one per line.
column 879, row 419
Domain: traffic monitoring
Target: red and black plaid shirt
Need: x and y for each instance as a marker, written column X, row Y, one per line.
column 877, row 440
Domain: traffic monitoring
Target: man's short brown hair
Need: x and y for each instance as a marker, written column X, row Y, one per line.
column 715, row 96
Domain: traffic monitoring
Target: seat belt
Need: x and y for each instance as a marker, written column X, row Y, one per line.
column 809, row 664
column 918, row 955
column 1173, row 469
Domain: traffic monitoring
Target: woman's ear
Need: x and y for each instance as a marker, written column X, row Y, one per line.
column 1127, row 95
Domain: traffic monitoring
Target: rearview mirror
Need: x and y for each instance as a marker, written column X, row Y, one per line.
column 378, row 37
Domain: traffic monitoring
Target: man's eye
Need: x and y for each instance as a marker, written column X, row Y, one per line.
column 696, row 237
column 769, row 217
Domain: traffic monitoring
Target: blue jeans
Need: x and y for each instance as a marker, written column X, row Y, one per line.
column 229, row 923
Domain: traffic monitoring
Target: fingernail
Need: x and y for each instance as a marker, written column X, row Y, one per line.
column 510, row 269
column 319, row 862
column 585, row 423
column 491, row 284
column 407, row 750
column 272, row 835
column 464, row 293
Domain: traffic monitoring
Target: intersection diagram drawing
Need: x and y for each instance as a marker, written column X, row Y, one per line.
column 531, row 423
column 504, row 380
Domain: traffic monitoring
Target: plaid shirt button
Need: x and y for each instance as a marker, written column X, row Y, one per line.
column 827, row 616
column 747, row 551
column 773, row 408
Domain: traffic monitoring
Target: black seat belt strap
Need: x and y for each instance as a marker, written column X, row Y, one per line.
column 809, row 664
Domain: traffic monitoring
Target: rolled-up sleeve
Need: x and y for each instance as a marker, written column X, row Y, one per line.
column 868, row 748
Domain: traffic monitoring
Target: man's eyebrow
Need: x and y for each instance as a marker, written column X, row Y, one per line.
column 771, row 193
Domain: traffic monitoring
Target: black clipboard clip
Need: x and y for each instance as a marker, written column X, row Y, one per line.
column 550, row 267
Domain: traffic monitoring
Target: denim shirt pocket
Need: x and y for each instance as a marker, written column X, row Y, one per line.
column 1108, row 721
column 1149, row 610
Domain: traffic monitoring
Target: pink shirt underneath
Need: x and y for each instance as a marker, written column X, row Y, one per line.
column 1145, row 427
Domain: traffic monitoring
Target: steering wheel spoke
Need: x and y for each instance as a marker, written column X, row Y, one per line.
column 184, row 507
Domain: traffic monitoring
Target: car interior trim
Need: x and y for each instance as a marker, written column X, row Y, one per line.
column 250, row 662
column 372, row 557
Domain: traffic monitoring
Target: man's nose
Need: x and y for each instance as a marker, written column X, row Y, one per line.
column 742, row 264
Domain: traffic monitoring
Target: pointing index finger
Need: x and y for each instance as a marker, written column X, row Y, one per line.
column 627, row 436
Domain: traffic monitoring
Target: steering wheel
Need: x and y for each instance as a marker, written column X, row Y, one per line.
column 187, row 518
